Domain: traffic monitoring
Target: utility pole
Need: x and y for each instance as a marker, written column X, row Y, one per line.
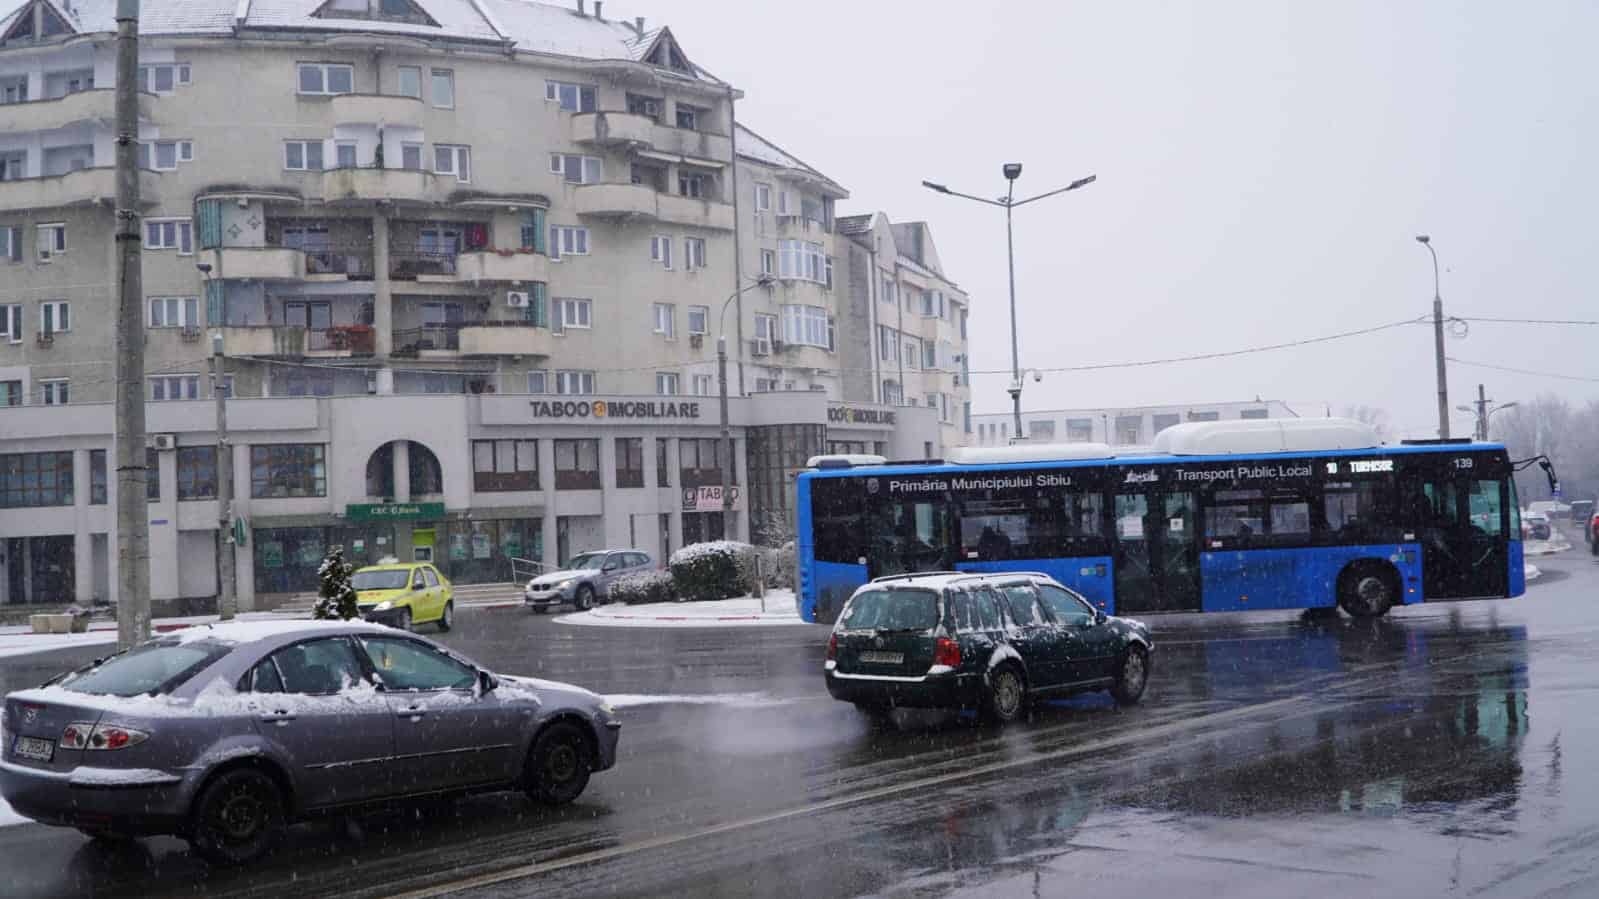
column 133, row 509
column 227, row 559
column 1438, row 341
column 1482, row 414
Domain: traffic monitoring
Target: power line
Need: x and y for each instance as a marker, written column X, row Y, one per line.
column 1524, row 321
column 1523, row 371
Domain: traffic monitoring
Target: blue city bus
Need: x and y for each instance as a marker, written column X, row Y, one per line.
column 1324, row 517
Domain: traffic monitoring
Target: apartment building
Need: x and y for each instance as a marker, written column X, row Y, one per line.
column 465, row 261
column 1118, row 426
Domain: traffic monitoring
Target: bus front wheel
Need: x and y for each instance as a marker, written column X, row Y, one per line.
column 1368, row 590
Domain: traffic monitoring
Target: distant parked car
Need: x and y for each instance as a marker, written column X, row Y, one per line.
column 1582, row 512
column 586, row 579
column 991, row 642
column 1535, row 526
column 404, row 594
column 223, row 734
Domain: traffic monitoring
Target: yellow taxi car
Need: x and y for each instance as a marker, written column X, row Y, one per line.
column 404, row 594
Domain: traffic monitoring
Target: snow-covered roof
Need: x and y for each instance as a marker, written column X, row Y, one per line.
column 251, row 631
column 854, row 224
column 155, row 16
column 458, row 19
column 753, row 146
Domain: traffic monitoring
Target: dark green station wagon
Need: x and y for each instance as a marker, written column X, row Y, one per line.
column 990, row 642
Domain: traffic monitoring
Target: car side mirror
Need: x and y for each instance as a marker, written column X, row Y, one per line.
column 486, row 682
column 1100, row 617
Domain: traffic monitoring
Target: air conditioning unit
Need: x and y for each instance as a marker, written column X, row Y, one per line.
column 45, row 338
column 516, row 298
column 760, row 346
column 649, row 108
column 190, row 333
column 163, row 441
column 696, row 340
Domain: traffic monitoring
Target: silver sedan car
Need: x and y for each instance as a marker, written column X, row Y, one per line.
column 226, row 733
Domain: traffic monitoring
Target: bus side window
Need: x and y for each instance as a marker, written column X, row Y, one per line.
column 837, row 520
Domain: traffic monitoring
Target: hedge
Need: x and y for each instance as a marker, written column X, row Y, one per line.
column 652, row 586
column 716, row 570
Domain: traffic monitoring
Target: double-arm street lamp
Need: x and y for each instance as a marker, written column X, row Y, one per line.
column 1012, row 170
column 721, row 384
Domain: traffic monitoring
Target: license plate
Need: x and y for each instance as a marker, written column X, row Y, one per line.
column 883, row 658
column 34, row 748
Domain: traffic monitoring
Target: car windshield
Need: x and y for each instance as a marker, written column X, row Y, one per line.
column 386, row 579
column 155, row 667
column 893, row 610
column 585, row 560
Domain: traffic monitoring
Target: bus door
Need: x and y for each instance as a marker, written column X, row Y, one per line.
column 1460, row 524
column 1155, row 555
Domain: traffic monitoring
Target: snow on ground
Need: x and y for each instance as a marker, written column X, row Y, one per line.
column 627, row 700
column 1555, row 544
column 743, row 611
column 21, row 644
column 1531, row 571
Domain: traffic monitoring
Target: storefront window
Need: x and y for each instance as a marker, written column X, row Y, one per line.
column 577, row 464
column 505, row 465
column 197, row 472
column 630, row 462
column 288, row 470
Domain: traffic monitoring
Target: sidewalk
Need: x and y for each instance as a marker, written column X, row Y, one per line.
column 743, row 611
column 17, row 640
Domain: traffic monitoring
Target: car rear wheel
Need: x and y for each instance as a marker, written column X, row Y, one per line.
column 1006, row 696
column 447, row 620
column 1132, row 676
column 238, row 817
column 585, row 598
column 558, row 765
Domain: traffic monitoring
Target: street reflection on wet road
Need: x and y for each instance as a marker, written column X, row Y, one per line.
column 1274, row 755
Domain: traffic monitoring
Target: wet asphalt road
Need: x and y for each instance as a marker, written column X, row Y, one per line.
column 1449, row 749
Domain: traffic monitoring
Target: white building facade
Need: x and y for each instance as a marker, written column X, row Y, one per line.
column 467, row 260
column 1116, row 426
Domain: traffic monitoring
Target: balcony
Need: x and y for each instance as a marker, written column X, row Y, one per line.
column 340, row 341
column 339, row 263
column 802, row 355
column 374, row 109
column 604, row 129
column 431, row 339
column 264, row 340
column 505, row 339
column 422, row 265
column 699, row 144
column 258, row 263
column 357, row 185
column 96, row 105
column 642, row 201
column 83, row 187
column 492, row 265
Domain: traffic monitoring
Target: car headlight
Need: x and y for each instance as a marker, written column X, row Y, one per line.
column 384, row 606
column 566, row 583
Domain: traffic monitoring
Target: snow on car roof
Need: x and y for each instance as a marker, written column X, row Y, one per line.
column 251, row 631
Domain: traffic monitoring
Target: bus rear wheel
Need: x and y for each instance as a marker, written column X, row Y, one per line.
column 1368, row 590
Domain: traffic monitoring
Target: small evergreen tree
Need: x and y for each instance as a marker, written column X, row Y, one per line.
column 335, row 595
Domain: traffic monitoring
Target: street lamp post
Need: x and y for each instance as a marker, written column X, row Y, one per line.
column 1438, row 341
column 1012, row 171
column 721, row 386
column 1483, row 413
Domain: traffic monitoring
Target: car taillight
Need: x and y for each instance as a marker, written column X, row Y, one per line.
column 81, row 735
column 832, row 647
column 947, row 652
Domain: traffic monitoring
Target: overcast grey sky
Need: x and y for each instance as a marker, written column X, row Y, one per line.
column 1262, row 168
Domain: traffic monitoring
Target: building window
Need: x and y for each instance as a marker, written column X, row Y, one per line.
column 892, row 394
column 666, row 320
column 575, row 169
column 693, row 253
column 1128, row 428
column 694, row 184
column 35, row 479
column 174, row 312
column 53, row 392
column 11, row 322
column 887, row 344
column 165, row 388
column 630, row 462
column 1252, row 413
column 169, row 234
column 572, row 97
column 649, row 107
column 704, row 385
column 699, row 319
column 768, row 262
column 10, row 391
column 453, row 159
column 10, row 244
column 765, row 333
column 326, row 78
column 803, row 260
column 344, row 154
column 1036, row 430
column 53, row 317
column 566, row 240
column 807, row 326
column 1161, row 422
column 690, row 117
column 929, row 354
column 573, row 313
column 302, row 155
column 763, row 197
column 661, row 250
column 1204, row 416
column 98, row 488
column 574, row 383
column 913, row 352
column 443, row 88
column 765, row 385
column 12, row 164
column 164, row 155
column 505, row 465
column 1078, row 430
column 699, row 462
column 538, row 381
column 410, row 82
column 163, row 78
column 51, row 240
column 197, row 473
column 663, row 472
column 666, row 383
column 152, row 475
column 288, row 470
column 577, row 464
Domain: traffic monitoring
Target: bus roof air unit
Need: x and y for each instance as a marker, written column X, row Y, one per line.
column 1273, row 435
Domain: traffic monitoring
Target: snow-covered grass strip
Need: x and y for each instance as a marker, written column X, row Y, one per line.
column 27, row 643
column 743, row 611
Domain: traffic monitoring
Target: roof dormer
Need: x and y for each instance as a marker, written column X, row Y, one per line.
column 406, row 12
column 37, row 23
